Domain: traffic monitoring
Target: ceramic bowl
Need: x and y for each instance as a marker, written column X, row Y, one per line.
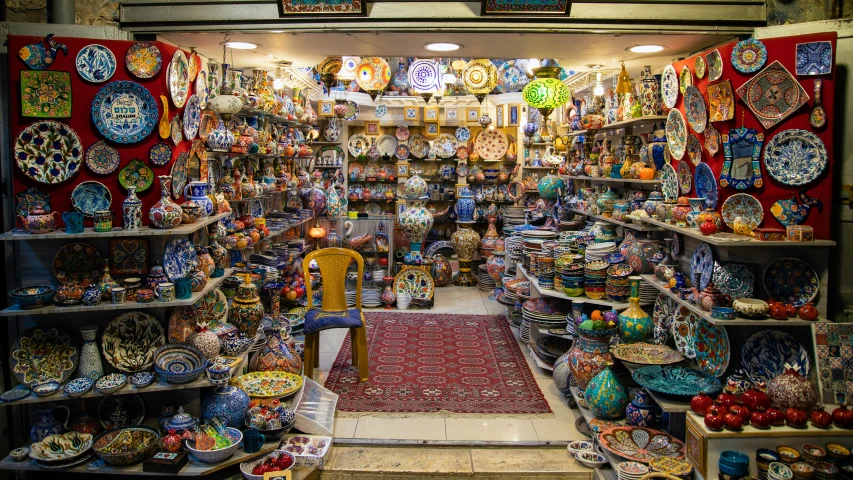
column 247, row 467
column 78, row 386
column 46, row 389
column 20, row 454
column 788, row 454
column 179, row 362
column 579, row 446
column 779, row 471
column 14, row 394
column 764, row 457
column 734, row 459
column 126, row 445
column 32, row 297
column 61, row 448
column 802, row 470
column 215, row 456
column 812, row 452
column 733, row 472
column 722, row 313
column 111, row 383
column 591, row 459
column 273, row 432
column 838, row 452
column 751, row 307
column 142, row 379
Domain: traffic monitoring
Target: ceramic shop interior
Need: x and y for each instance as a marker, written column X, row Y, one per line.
column 529, row 244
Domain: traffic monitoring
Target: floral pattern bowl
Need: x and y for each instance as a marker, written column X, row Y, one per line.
column 78, row 386
column 142, row 379
column 61, row 448
column 216, row 455
column 126, row 445
column 179, row 362
column 641, row 444
column 32, row 297
column 46, row 389
column 14, row 394
column 111, row 383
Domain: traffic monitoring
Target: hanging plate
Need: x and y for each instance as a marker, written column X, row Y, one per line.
column 192, row 117
column 715, row 65
column 749, row 56
column 136, row 174
column 445, row 145
column 143, row 60
column 177, row 131
column 685, row 178
column 387, row 145
column 95, row 63
column 352, row 111
column 124, row 112
column 179, row 257
column 773, row 94
column 683, row 330
column 179, row 174
column 358, row 145
column 401, row 152
column 676, row 133
column 669, row 183
column 685, row 79
column 160, row 154
column 201, row 89
column 702, row 265
column 402, row 133
column 791, row 280
column 463, row 134
column 48, row 152
column 662, row 318
column 178, row 78
column 699, row 66
column 419, row 146
column 712, row 140
column 91, row 196
column 795, row 157
column 669, row 86
column 721, row 101
column 814, row 58
column 694, row 109
column 510, row 77
column 694, row 149
column 712, row 348
column 491, row 145
column 745, row 206
column 78, row 263
column 102, row 158
column 706, row 184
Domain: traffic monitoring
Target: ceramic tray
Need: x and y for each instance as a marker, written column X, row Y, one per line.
column 676, row 381
column 640, row 444
column 646, row 354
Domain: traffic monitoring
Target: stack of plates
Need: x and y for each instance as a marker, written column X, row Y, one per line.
column 548, row 312
column 550, row 348
column 371, row 297
column 514, row 249
column 513, row 317
column 267, row 260
column 524, row 331
column 517, row 288
column 595, row 279
column 648, row 293
column 350, row 294
column 631, row 470
column 597, row 251
column 484, row 281
column 614, row 258
column 618, row 286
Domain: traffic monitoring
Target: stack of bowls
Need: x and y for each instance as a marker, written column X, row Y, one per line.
column 837, row 454
column 813, row 453
column 545, row 272
column 802, row 471
column 788, row 455
column 618, row 286
column 403, row 300
column 825, row 471
column 734, row 465
column 572, row 278
column 778, row 471
column 763, row 458
column 531, row 263
column 595, row 279
column 631, row 470
column 648, row 293
column 846, row 471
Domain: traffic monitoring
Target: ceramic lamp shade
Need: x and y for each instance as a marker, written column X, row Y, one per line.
column 424, row 76
column 373, row 73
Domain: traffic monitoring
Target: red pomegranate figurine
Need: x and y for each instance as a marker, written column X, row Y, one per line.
column 172, row 442
column 795, row 418
column 755, row 400
column 708, row 227
column 777, row 311
column 790, row 310
column 821, row 418
column 842, row 416
column 808, row 312
column 727, row 400
column 733, row 422
column 700, row 404
column 759, row 419
column 777, row 417
column 714, row 419
column 740, row 411
column 790, row 389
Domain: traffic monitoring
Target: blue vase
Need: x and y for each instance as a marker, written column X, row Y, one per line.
column 227, row 403
column 605, row 396
column 641, row 411
column 465, row 206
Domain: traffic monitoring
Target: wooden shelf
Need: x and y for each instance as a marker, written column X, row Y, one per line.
column 554, row 293
column 633, row 226
column 613, row 180
column 723, row 242
column 15, row 311
column 783, row 431
column 793, row 322
column 183, row 229
column 538, row 168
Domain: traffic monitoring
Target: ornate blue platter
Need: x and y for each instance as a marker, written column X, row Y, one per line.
column 95, row 63
column 102, row 158
column 49, row 152
column 160, row 154
column 795, row 157
column 702, row 265
column 124, row 112
column 91, row 196
column 674, row 380
column 749, row 56
column 669, row 86
column 192, row 117
column 791, row 280
column 179, row 258
column 765, row 354
column 706, row 184
column 814, row 58
column 695, row 109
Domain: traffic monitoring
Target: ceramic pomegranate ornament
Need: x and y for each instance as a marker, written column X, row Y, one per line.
column 733, row 421
column 714, row 419
column 755, row 400
column 790, row 389
column 777, row 417
column 821, row 418
column 842, row 416
column 759, row 419
column 700, row 404
column 206, row 341
column 795, row 417
column 727, row 400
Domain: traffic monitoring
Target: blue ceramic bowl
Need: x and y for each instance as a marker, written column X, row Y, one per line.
column 179, row 362
column 234, row 346
column 46, row 389
column 32, row 297
column 734, row 459
column 722, row 313
column 78, row 386
column 142, row 379
column 733, row 472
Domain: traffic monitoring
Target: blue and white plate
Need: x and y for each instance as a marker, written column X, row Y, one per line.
column 192, row 117
column 160, row 154
column 124, row 112
column 791, row 280
column 14, row 394
column 702, row 265
column 463, row 134
column 795, row 157
column 142, row 379
column 91, row 196
column 381, row 110
column 179, row 258
column 745, row 206
column 734, row 279
column 814, row 58
column 102, row 158
column 765, row 354
column 78, row 386
column 95, row 63
column 669, row 86
column 706, row 184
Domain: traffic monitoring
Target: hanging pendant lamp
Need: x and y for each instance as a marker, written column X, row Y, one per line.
column 424, row 77
column 373, row 75
column 546, row 92
column 480, row 77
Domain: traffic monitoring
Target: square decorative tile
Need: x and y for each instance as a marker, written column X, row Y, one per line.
column 834, row 362
column 45, row 94
column 129, row 256
column 814, row 58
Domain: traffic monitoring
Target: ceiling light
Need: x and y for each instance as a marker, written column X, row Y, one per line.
column 442, row 47
column 240, row 45
column 646, row 48
column 276, row 31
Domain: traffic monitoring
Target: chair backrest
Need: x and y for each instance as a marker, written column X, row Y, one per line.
column 333, row 263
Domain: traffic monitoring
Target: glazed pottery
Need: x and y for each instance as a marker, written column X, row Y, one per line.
column 198, row 279
column 73, row 222
column 92, row 296
column 106, row 284
column 416, row 221
column 641, row 411
column 90, row 366
column 652, row 102
column 587, row 358
column 711, row 297
column 131, row 209
column 228, row 404
column 790, row 389
column 165, row 213
column 39, row 220
column 246, row 310
column 198, row 192
column 206, row 341
column 278, row 354
column 635, row 325
column 442, row 271
column 640, row 255
column 465, row 206
column 47, row 424
column 605, row 396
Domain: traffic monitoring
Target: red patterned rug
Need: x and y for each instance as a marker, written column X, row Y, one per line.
column 439, row 364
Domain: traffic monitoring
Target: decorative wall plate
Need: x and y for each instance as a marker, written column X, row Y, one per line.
column 694, row 109
column 814, row 58
column 705, row 184
column 462, row 153
column 445, row 145
column 130, row 341
column 742, row 168
column 102, row 158
column 358, row 145
column 749, row 55
column 683, row 331
column 211, row 308
column 712, row 140
column 160, row 154
column 712, row 348
column 31, row 197
column 676, row 133
column 646, row 354
column 669, row 86
column 791, row 280
column 178, row 78
column 721, row 101
column 124, row 112
column 833, row 357
column 765, row 354
column 143, row 60
column 491, row 145
column 734, row 279
column 402, row 133
column 662, row 318
column 77, row 262
column 676, row 380
column 129, row 256
column 641, row 444
column 702, row 265
column 60, row 449
column 694, row 149
column 387, row 144
column 416, row 282
column 669, row 182
column 192, row 117
column 179, row 257
column 795, row 157
column 463, row 133
column 95, row 63
column 401, row 152
column 176, row 128
column 352, row 111
column 381, row 110
column 194, row 64
column 45, row 94
column 419, row 146
column 685, row 178
column 179, row 174
column 773, row 94
column 510, row 77
column 201, row 89
column 699, row 66
column 137, row 174
column 91, row 196
column 43, row 355
column 275, row 384
column 745, row 206
column 48, row 152
column 685, row 79
column 715, row 65
column 424, row 75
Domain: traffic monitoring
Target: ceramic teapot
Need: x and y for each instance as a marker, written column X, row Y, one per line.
column 39, row 220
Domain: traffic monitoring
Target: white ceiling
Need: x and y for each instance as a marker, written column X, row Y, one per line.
column 574, row 51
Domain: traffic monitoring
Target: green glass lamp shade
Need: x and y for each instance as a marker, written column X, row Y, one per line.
column 544, row 93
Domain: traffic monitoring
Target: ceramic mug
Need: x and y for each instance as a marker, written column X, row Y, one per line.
column 145, row 295
column 183, row 288
column 119, row 294
column 132, row 285
column 103, row 220
column 73, row 222
column 165, row 291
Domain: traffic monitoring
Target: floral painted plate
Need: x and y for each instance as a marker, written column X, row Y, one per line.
column 791, row 280
column 402, row 133
column 201, row 89
column 419, row 146
column 124, row 112
column 462, row 169
column 95, row 63
column 702, row 265
column 137, row 174
column 712, row 140
column 34, row 100
column 676, row 380
column 749, row 55
column 31, row 197
column 415, row 282
column 130, row 341
column 463, row 134
column 143, row 60
column 662, row 318
column 765, row 354
column 669, row 182
column 695, row 110
column 179, row 258
column 694, row 149
column 685, row 181
column 491, row 145
column 401, row 152
column 462, row 153
column 745, row 206
column 712, row 348
column 795, row 157
column 77, row 262
column 91, row 196
column 178, row 78
column 773, row 94
column 179, row 174
column 721, row 101
column 669, row 86
column 192, row 117
column 734, row 279
column 640, row 444
column 102, row 158
column 358, row 145
column 211, row 308
column 676, row 133
column 445, row 145
column 699, row 66
column 160, row 154
column 685, row 79
column 705, row 184
column 43, row 355
column 62, row 448
column 352, row 111
column 646, row 354
column 275, row 384
column 48, row 152
column 683, row 330
column 715, row 65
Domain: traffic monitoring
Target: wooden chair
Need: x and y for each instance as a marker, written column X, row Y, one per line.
column 333, row 313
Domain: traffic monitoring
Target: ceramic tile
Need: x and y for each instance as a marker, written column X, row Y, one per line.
column 344, row 427
column 401, row 428
column 494, row 429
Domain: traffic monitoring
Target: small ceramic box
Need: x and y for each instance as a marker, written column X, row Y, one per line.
column 769, row 234
column 800, row 233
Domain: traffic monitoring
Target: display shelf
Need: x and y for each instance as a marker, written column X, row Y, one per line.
column 606, row 474
column 15, row 311
column 666, row 404
column 613, row 180
column 542, row 144
column 632, row 226
column 772, row 432
column 183, row 229
column 253, row 155
column 793, row 322
column 553, row 293
column 318, row 142
column 749, row 242
column 538, row 360
column 538, row 168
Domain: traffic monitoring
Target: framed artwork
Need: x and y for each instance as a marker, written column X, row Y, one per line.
column 451, row 115
column 129, row 256
column 327, row 8
column 512, row 115
column 371, row 128
column 499, row 116
column 325, row 108
column 400, row 206
column 280, row 475
column 472, row 114
column 532, row 115
column 403, row 169
column 694, row 447
column 550, row 8
column 431, row 114
column 411, row 114
column 432, row 130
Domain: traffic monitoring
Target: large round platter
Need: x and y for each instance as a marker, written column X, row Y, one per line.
column 77, row 262
column 662, row 318
column 445, row 145
column 91, row 196
column 695, row 109
column 102, row 158
column 712, row 348
column 669, row 182
column 124, row 112
column 95, row 63
column 795, row 157
column 136, row 174
column 676, row 133
column 419, row 146
column 48, row 152
column 734, row 279
column 211, row 308
column 749, row 56
column 43, row 355
column 640, row 444
column 179, row 257
column 510, row 77
column 765, row 354
column 705, row 184
column 702, row 265
column 415, row 282
column 685, row 178
column 685, row 79
column 130, row 341
column 791, row 280
column 358, row 145
column 646, row 354
column 387, row 145
column 669, row 86
column 352, row 111
column 179, row 174
column 269, row 384
column 745, row 206
column 676, row 380
column 683, row 330
column 178, row 78
column 491, row 145
column 192, row 117
column 61, row 448
column 143, row 60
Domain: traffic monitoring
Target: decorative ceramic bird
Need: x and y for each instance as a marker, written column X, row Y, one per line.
column 795, row 211
column 39, row 56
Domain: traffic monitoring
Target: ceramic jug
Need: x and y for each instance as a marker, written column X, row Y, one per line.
column 90, row 364
column 635, row 325
column 197, row 192
column 47, row 424
column 131, row 210
column 228, row 404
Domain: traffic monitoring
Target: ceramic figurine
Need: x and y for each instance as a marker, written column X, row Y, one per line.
column 635, row 325
column 165, row 213
column 131, row 210
column 278, row 354
column 228, row 404
column 605, row 395
column 641, row 411
column 90, row 364
column 246, row 310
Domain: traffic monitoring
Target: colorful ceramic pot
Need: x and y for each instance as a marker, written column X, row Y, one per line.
column 587, row 358
column 92, row 296
column 442, row 271
column 635, row 325
column 651, row 98
column 641, row 411
column 39, row 220
column 416, row 220
column 680, row 211
column 165, row 213
column 246, row 310
column 156, row 276
column 228, row 404
column 206, row 341
column 551, row 187
column 650, row 206
column 69, row 294
column 278, row 354
column 465, row 206
column 640, row 255
column 606, row 396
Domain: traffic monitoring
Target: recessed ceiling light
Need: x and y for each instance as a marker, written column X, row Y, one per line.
column 442, row 47
column 240, row 45
column 276, row 31
column 646, row 48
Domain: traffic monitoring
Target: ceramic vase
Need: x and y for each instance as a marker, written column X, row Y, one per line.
column 205, row 260
column 465, row 241
column 490, row 238
column 278, row 354
column 562, row 375
column 131, row 210
column 388, row 296
column 606, row 396
column 90, row 364
column 198, row 192
column 47, row 424
column 635, row 325
column 336, row 204
column 465, row 206
column 551, row 187
column 641, row 253
column 641, row 411
column 416, row 220
column 496, row 266
column 442, row 271
column 332, row 132
column 246, row 311
column 227, row 404
column 696, row 206
column 587, row 358
column 165, row 213
column 651, row 97
column 92, row 295
column 316, row 199
column 106, row 285
column 206, row 341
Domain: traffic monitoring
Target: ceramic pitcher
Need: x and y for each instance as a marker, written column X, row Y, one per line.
column 47, row 424
column 197, row 192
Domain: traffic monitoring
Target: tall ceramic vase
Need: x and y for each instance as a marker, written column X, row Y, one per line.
column 587, row 358
column 165, row 213
column 416, row 221
column 635, row 325
column 131, row 210
column 651, row 98
column 90, row 365
column 246, row 311
column 465, row 241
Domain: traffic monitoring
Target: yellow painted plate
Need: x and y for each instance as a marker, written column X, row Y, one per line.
column 269, row 384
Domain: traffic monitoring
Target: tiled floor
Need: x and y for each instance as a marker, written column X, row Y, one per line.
column 469, row 301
